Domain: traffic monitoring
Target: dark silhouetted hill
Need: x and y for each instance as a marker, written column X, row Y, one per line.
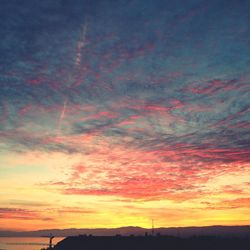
column 152, row 242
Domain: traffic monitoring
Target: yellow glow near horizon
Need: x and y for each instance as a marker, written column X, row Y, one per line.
column 34, row 202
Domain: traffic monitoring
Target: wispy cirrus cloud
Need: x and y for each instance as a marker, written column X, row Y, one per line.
column 143, row 102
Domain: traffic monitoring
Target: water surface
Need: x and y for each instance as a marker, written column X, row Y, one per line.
column 25, row 243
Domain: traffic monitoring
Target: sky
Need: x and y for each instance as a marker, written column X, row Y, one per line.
column 114, row 113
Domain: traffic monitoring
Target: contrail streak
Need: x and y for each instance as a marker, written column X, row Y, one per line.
column 62, row 116
column 82, row 43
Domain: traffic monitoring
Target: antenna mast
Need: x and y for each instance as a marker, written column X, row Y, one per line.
column 153, row 229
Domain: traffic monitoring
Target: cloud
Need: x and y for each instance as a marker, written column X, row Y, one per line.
column 238, row 203
column 21, row 214
column 152, row 103
column 216, row 85
column 27, row 203
column 75, row 210
column 179, row 172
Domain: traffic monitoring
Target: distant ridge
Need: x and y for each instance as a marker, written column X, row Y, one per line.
column 224, row 231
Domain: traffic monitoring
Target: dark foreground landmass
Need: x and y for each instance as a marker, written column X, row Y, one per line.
column 151, row 243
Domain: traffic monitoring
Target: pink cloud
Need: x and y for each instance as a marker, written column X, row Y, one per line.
column 35, row 81
column 241, row 125
column 77, row 171
column 229, row 204
column 129, row 120
column 214, row 86
column 24, row 110
column 21, row 214
column 165, row 173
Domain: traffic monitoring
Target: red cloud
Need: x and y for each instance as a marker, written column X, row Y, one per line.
column 17, row 213
column 177, row 173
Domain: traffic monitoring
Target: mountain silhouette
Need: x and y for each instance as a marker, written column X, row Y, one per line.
column 225, row 231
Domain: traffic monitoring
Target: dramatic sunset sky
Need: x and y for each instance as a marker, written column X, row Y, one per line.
column 117, row 112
